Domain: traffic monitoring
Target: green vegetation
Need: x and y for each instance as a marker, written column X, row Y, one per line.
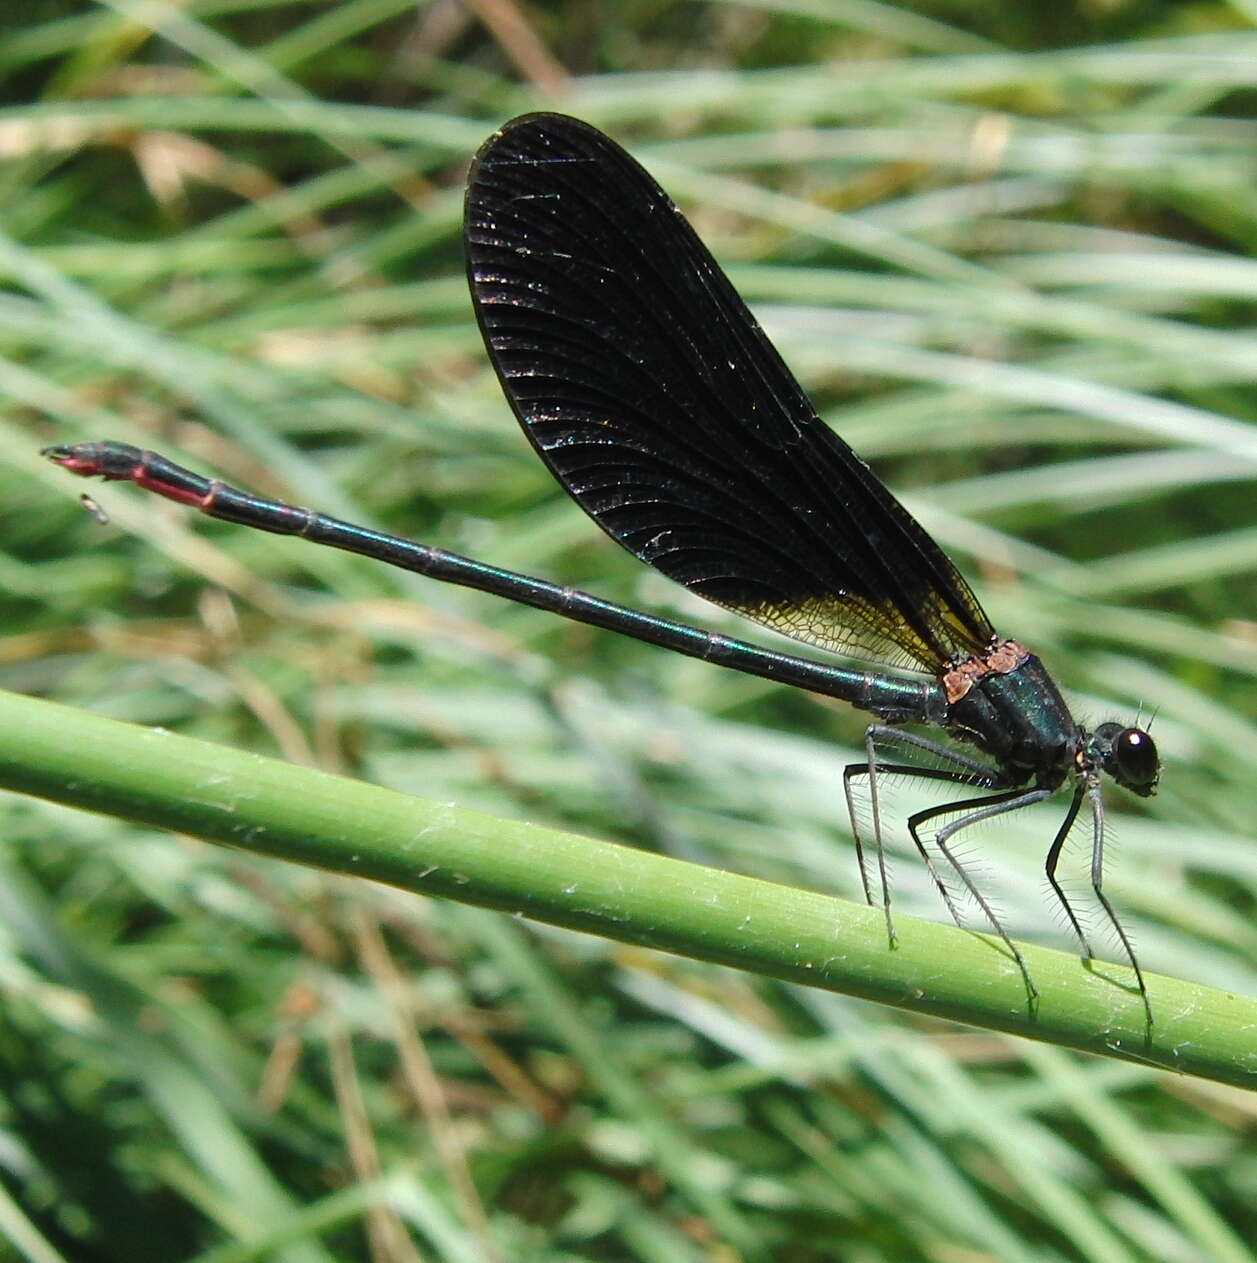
column 1010, row 257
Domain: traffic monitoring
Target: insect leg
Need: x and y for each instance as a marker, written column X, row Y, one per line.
column 964, row 770
column 1053, row 856
column 1097, row 883
column 976, row 809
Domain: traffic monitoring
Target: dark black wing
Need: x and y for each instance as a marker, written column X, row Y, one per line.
column 653, row 395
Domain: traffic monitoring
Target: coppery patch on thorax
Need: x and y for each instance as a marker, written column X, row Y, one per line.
column 1000, row 659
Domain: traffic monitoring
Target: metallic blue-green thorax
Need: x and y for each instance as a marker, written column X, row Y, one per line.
column 1019, row 717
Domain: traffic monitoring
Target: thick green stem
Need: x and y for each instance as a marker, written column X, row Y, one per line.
column 273, row 808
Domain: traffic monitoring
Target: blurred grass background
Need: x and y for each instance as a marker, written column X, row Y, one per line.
column 1007, row 248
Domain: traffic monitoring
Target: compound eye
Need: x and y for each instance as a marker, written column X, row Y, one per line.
column 1136, row 756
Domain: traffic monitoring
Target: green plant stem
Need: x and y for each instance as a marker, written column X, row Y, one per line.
column 345, row 826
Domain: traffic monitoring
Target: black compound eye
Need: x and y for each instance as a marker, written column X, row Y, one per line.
column 1136, row 756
